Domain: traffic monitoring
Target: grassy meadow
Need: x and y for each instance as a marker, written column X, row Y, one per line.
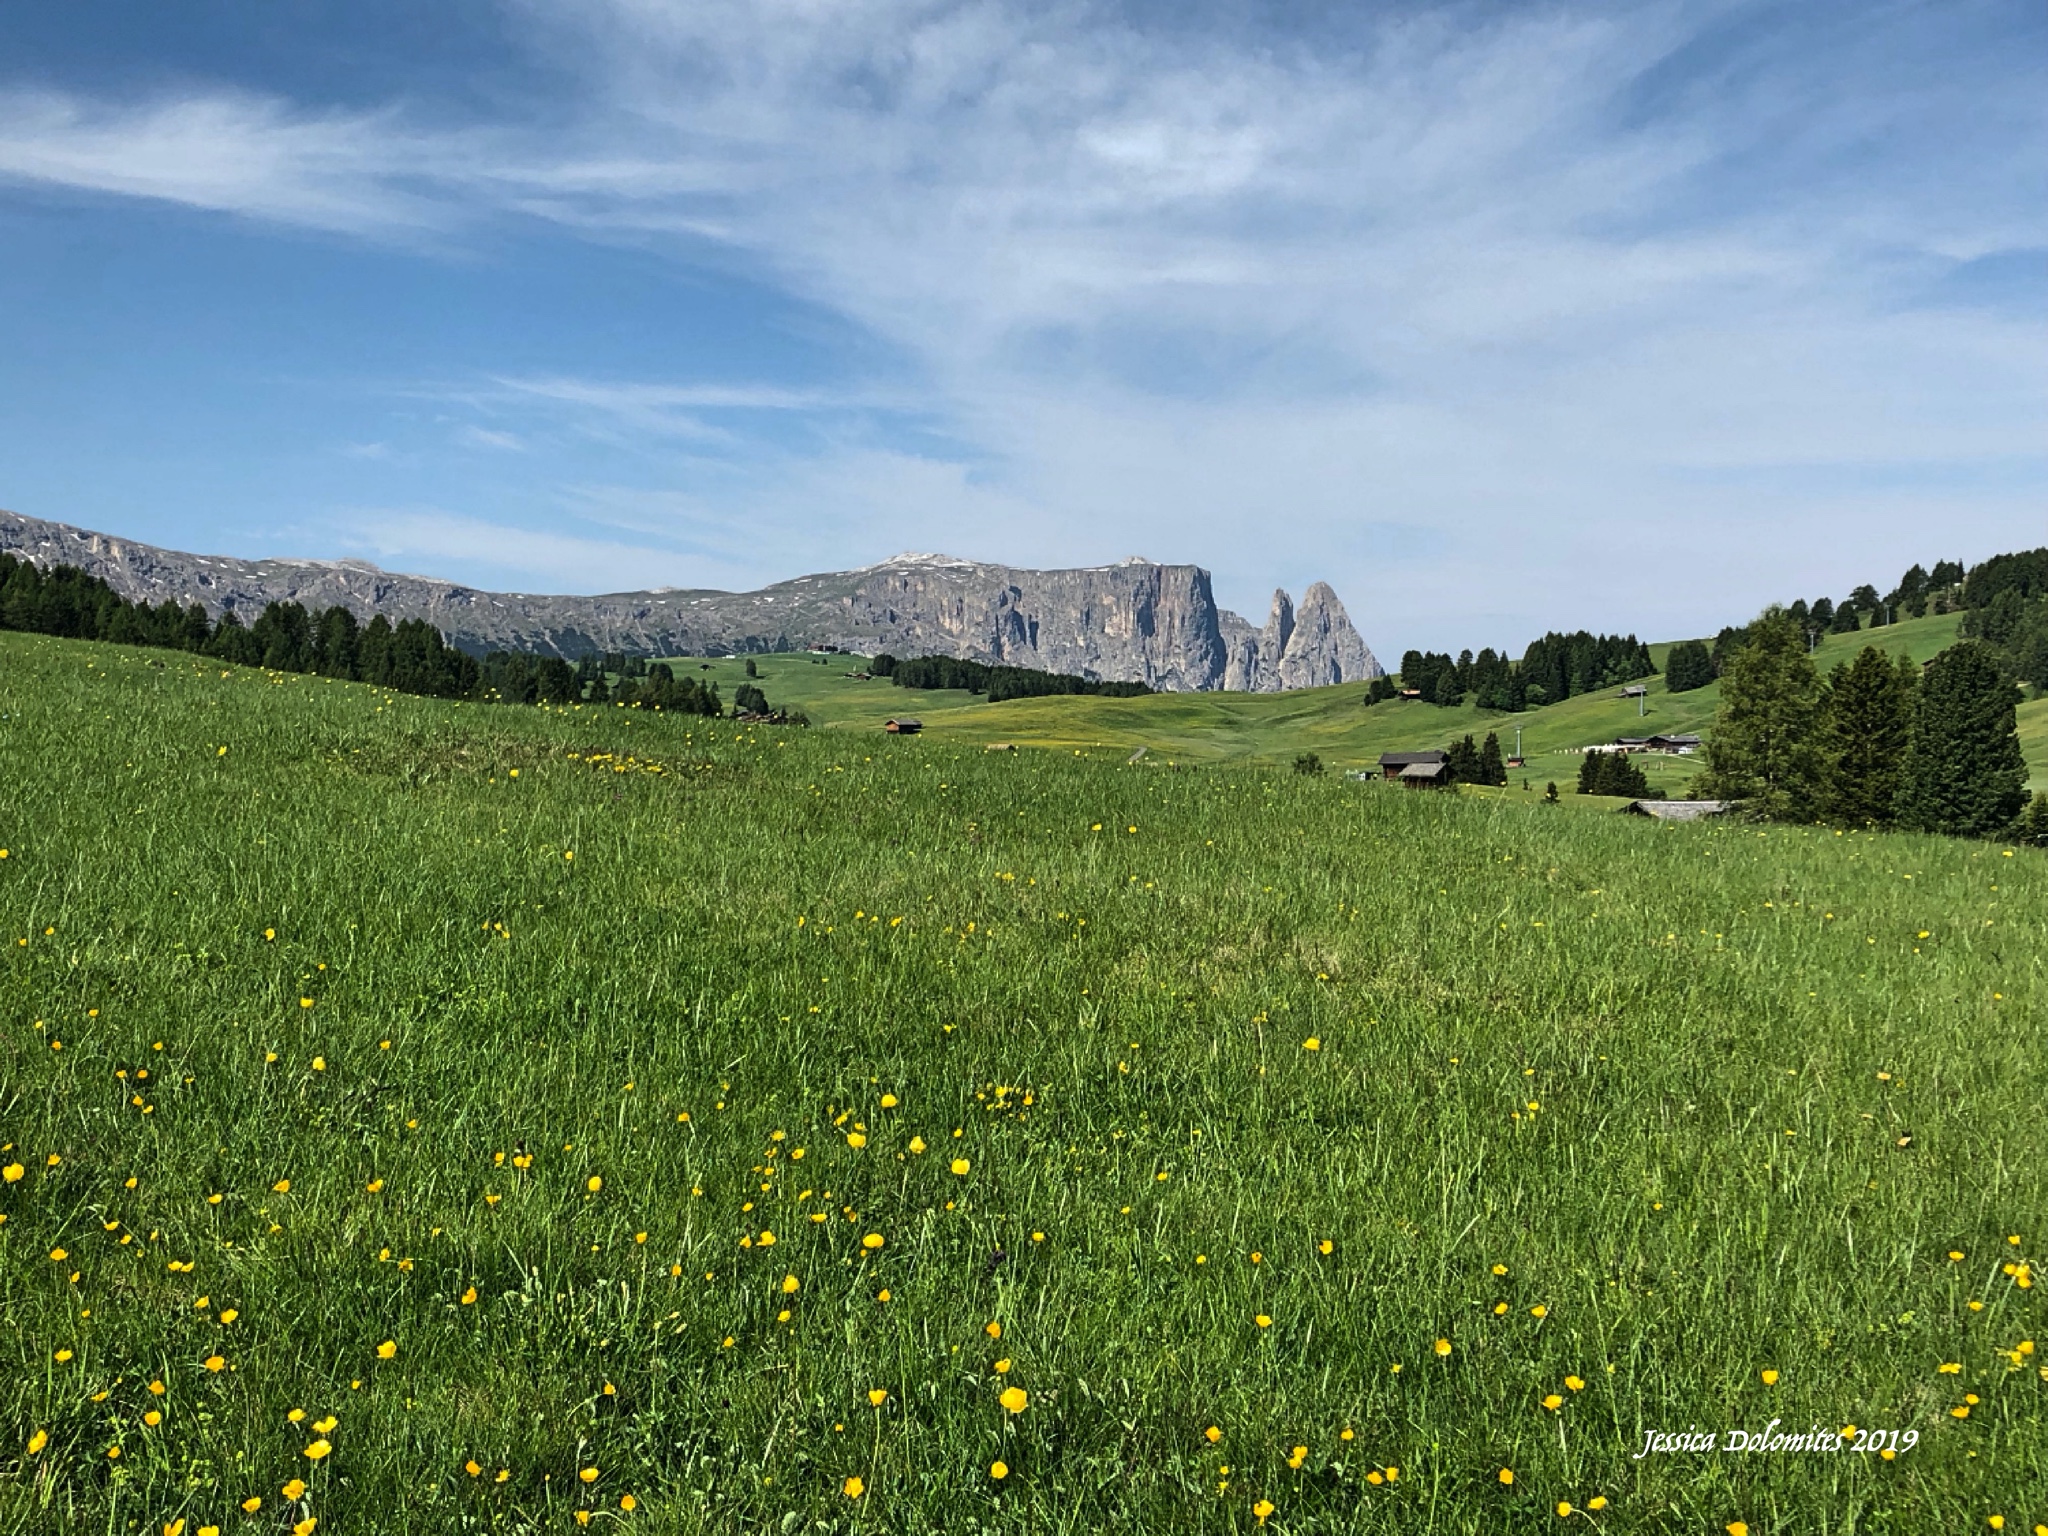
column 1271, row 728
column 439, row 1118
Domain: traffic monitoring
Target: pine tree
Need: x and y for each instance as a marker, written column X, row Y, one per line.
column 2034, row 825
column 1865, row 716
column 1689, row 665
column 1461, row 761
column 1616, row 775
column 1964, row 774
column 1763, row 749
column 1589, row 772
column 1493, row 767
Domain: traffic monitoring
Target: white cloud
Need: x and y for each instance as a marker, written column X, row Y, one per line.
column 486, row 553
column 1469, row 311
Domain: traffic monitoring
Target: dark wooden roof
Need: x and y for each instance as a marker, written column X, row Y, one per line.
column 1402, row 759
column 1425, row 770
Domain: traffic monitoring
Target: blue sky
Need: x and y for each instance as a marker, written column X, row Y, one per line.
column 1497, row 318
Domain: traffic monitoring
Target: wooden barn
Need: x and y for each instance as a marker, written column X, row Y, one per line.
column 1413, row 768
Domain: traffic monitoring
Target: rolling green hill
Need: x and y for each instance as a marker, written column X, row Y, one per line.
column 423, row 1117
column 1332, row 722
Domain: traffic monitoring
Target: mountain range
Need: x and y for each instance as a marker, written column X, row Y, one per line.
column 1134, row 621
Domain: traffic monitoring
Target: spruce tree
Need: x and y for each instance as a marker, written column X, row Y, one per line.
column 1964, row 774
column 1461, row 760
column 1763, row 749
column 1689, row 665
column 1865, row 717
column 1589, row 772
column 1493, row 767
column 2034, row 825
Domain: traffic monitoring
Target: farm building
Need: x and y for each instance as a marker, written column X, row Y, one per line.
column 1393, row 765
column 903, row 727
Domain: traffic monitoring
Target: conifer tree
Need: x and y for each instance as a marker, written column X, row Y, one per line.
column 1461, row 761
column 1864, row 722
column 1690, row 665
column 1493, row 767
column 1763, row 749
column 2034, row 823
column 1964, row 774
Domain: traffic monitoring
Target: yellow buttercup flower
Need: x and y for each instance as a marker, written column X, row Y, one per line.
column 878, row 1396
column 1507, row 1477
column 1015, row 1399
column 853, row 1487
column 294, row 1488
column 998, row 1470
column 588, row 1474
column 1443, row 1346
column 387, row 1349
column 960, row 1166
column 317, row 1450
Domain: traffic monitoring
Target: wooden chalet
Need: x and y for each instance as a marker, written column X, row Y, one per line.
column 1415, row 769
column 903, row 727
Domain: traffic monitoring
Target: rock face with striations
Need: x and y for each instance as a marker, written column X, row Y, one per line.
column 1129, row 622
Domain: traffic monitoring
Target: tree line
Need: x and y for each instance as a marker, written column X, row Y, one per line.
column 407, row 657
column 1552, row 669
column 1876, row 743
column 1695, row 663
column 999, row 682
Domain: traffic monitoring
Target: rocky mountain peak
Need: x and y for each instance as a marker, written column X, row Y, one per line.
column 1132, row 621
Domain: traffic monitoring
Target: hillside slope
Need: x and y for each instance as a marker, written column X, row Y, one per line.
column 427, row 1117
column 1332, row 722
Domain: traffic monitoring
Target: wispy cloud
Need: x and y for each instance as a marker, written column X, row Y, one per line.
column 1533, row 280
column 487, row 553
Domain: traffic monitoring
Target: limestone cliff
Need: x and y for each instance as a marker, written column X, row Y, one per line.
column 1134, row 621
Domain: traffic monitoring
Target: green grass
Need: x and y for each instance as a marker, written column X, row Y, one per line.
column 1272, row 728
column 1717, row 1100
